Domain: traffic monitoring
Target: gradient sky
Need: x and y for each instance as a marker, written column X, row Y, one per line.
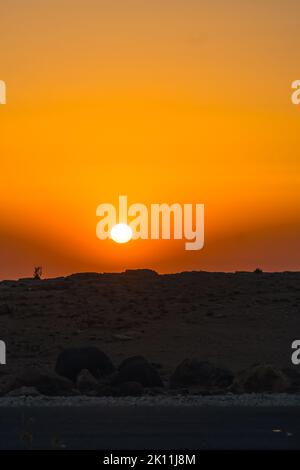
column 164, row 101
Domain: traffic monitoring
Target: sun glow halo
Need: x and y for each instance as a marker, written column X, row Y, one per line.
column 121, row 233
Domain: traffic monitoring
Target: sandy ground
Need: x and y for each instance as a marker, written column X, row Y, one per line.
column 233, row 319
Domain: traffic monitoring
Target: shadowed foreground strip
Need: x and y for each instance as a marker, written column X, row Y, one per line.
column 167, row 427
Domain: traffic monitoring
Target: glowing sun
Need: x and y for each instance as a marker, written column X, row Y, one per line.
column 121, row 233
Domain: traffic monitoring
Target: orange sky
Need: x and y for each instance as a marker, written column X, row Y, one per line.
column 164, row 101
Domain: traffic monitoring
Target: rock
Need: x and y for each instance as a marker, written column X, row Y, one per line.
column 73, row 360
column 131, row 389
column 24, row 392
column 106, row 390
column 86, row 382
column 201, row 374
column 137, row 369
column 155, row 391
column 46, row 382
column 261, row 378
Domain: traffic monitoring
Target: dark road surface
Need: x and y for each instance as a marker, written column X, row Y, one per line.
column 167, row 427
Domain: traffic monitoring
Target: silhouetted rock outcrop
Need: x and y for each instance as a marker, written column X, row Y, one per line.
column 24, row 392
column 261, row 378
column 192, row 372
column 45, row 382
column 73, row 360
column 138, row 369
column 130, row 389
column 86, row 382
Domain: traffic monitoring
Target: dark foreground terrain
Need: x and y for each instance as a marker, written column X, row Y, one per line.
column 230, row 319
column 194, row 334
column 156, row 428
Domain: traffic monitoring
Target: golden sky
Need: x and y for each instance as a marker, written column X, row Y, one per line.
column 164, row 101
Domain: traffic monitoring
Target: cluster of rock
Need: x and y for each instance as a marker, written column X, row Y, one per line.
column 89, row 371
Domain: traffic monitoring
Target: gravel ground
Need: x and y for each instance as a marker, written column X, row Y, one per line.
column 231, row 320
column 244, row 400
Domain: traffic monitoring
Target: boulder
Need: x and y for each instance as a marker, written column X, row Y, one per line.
column 261, row 378
column 86, row 382
column 24, row 392
column 201, row 375
column 73, row 360
column 137, row 369
column 106, row 390
column 131, row 389
column 46, row 382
